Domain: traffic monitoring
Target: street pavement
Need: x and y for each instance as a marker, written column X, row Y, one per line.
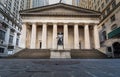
column 59, row 67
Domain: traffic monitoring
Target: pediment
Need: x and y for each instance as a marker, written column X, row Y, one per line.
column 59, row 9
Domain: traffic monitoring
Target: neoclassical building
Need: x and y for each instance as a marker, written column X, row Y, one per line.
column 60, row 26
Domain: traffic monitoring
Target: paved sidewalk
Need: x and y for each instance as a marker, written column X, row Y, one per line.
column 60, row 68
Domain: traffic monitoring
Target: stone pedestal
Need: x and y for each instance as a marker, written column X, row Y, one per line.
column 60, row 47
column 60, row 54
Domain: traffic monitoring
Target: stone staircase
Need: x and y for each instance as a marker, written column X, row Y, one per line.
column 32, row 54
column 47, row 54
column 87, row 54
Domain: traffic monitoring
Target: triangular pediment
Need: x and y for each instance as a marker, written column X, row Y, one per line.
column 59, row 9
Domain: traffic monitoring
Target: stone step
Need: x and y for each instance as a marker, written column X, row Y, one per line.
column 87, row 54
column 47, row 54
column 32, row 53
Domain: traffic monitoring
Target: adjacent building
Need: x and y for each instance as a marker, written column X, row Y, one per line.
column 109, row 26
column 10, row 25
column 76, row 2
column 35, row 3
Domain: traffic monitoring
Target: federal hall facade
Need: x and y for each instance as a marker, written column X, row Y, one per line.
column 60, row 26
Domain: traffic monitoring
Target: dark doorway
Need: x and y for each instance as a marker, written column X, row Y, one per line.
column 40, row 45
column 116, row 49
column 80, row 45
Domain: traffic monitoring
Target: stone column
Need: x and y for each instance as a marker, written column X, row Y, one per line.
column 7, row 36
column 44, row 36
column 96, row 37
column 15, row 39
column 54, row 44
column 65, row 36
column 76, row 37
column 22, row 43
column 87, row 37
column 33, row 36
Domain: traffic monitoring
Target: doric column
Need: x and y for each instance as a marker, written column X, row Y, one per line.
column 33, row 36
column 7, row 36
column 23, row 36
column 54, row 44
column 15, row 38
column 96, row 37
column 76, row 37
column 87, row 37
column 44, row 36
column 65, row 36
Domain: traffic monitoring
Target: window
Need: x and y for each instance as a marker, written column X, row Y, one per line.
column 17, row 41
column 1, row 50
column 113, row 27
column 11, row 39
column 102, row 5
column 98, row 3
column 113, row 4
column 108, row 10
column 107, row 1
column 104, row 37
column 2, row 35
column 98, row 9
column 112, row 18
column 103, row 14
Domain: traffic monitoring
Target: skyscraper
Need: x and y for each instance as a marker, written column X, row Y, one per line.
column 14, row 6
column 76, row 2
column 35, row 3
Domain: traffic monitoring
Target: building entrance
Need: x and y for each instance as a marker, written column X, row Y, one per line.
column 116, row 49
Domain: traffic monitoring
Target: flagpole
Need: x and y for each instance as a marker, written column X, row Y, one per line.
column 60, row 1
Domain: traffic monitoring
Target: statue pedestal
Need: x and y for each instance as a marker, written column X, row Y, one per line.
column 58, row 54
column 60, row 47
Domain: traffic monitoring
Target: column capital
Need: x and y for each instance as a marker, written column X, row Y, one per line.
column 95, row 25
column 76, row 23
column 44, row 24
column 65, row 23
column 24, row 23
column 86, row 24
column 34, row 23
column 54, row 23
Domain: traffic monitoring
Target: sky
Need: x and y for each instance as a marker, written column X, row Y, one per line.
column 57, row 1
